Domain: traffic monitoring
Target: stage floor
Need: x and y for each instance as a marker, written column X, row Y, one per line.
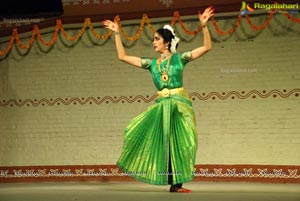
column 129, row 191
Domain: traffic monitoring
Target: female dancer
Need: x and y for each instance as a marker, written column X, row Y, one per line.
column 160, row 144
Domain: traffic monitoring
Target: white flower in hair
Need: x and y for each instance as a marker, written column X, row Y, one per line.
column 170, row 29
column 174, row 41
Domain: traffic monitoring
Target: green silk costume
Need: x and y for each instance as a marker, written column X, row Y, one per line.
column 164, row 134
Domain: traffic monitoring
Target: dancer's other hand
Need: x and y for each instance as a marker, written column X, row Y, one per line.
column 204, row 17
column 108, row 24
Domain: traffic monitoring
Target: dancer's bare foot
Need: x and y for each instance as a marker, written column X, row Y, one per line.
column 180, row 190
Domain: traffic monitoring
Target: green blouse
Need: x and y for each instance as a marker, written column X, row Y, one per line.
column 175, row 70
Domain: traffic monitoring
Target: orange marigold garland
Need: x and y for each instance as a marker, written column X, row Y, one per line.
column 76, row 37
column 98, row 36
column 145, row 19
column 54, row 38
column 290, row 17
column 138, row 33
column 15, row 32
column 261, row 27
column 230, row 31
column 177, row 16
column 8, row 48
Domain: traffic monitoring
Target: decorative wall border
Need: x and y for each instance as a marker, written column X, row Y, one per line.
column 147, row 99
column 224, row 173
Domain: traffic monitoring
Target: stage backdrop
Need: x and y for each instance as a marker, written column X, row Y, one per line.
column 63, row 108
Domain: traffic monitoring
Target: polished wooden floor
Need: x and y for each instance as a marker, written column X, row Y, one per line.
column 114, row 191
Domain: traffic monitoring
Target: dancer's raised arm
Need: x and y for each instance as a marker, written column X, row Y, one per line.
column 133, row 60
column 203, row 18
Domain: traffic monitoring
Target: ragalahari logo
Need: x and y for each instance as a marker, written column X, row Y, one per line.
column 245, row 9
column 274, row 7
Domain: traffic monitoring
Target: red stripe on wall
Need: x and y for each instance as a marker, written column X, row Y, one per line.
column 106, row 173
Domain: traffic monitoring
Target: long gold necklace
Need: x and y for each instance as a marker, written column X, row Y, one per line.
column 164, row 74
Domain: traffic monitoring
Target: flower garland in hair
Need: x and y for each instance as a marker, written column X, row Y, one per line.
column 174, row 40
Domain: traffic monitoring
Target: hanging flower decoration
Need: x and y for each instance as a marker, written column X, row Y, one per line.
column 54, row 38
column 76, row 37
column 261, row 27
column 15, row 33
column 98, row 36
column 231, row 30
column 177, row 17
column 145, row 20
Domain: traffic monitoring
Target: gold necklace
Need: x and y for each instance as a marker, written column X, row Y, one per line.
column 164, row 56
column 164, row 74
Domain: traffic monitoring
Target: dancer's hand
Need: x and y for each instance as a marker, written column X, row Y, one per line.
column 204, row 17
column 111, row 25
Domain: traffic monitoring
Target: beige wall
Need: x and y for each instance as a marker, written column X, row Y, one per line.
column 243, row 130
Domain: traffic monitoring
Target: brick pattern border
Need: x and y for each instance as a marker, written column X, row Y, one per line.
column 147, row 99
column 219, row 173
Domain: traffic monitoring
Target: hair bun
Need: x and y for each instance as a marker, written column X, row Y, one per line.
column 174, row 41
column 170, row 29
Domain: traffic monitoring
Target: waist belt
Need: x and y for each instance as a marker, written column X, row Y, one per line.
column 167, row 92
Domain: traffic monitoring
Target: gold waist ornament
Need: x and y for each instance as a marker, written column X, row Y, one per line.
column 167, row 92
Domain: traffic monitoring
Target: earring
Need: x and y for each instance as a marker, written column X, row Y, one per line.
column 166, row 47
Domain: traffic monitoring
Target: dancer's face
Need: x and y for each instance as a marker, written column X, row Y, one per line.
column 159, row 44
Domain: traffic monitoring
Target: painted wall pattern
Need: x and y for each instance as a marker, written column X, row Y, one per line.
column 287, row 174
column 195, row 96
